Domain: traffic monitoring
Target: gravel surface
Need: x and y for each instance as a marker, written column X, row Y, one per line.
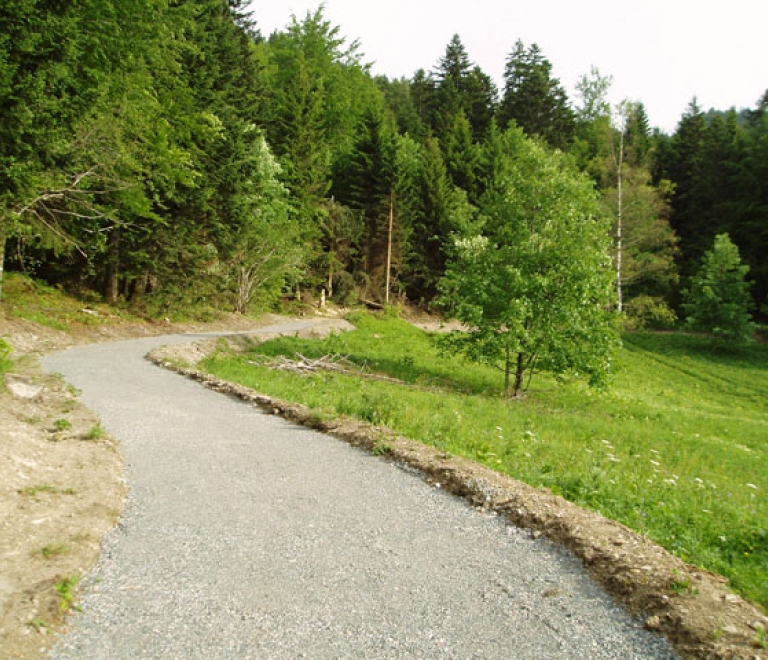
column 245, row 536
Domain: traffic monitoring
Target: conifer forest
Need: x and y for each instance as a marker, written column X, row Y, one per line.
column 165, row 153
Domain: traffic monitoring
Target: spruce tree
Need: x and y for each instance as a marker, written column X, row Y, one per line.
column 718, row 301
column 534, row 100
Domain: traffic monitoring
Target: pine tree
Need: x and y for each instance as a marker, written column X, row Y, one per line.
column 534, row 100
column 364, row 183
column 718, row 301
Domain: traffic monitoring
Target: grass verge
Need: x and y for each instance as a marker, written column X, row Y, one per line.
column 675, row 449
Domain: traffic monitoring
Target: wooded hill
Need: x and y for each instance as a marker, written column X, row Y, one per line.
column 166, row 153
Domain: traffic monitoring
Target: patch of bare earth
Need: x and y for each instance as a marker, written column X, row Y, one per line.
column 693, row 608
column 61, row 490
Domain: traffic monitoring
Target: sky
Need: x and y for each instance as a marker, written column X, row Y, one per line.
column 660, row 52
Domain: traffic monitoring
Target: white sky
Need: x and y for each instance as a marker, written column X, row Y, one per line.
column 660, row 52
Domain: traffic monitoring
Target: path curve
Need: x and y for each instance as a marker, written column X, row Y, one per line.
column 245, row 536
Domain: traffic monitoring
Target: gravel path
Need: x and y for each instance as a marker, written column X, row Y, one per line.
column 247, row 537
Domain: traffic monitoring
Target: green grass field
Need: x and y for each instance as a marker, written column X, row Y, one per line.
column 675, row 449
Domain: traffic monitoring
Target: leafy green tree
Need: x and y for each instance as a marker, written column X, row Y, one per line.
column 47, row 80
column 268, row 251
column 535, row 100
column 718, row 301
column 318, row 90
column 535, row 286
column 646, row 271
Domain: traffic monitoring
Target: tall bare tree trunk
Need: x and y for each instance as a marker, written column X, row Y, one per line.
column 113, row 267
column 389, row 245
column 619, row 224
column 3, row 240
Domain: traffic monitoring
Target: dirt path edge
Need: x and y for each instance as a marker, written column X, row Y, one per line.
column 693, row 608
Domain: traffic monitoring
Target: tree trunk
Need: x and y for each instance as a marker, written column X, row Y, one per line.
column 508, row 374
column 389, row 246
column 619, row 225
column 113, row 267
column 519, row 373
column 3, row 240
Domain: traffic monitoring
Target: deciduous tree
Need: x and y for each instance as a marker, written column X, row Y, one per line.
column 534, row 288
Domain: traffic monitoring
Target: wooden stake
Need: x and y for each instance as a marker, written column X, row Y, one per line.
column 389, row 244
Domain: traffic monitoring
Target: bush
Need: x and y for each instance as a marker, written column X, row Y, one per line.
column 648, row 312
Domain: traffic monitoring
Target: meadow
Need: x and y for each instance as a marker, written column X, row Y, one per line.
column 675, row 448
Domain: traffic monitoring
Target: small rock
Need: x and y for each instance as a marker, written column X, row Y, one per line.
column 732, row 598
column 731, row 630
column 653, row 623
column 23, row 390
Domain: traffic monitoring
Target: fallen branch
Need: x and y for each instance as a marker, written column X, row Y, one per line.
column 330, row 363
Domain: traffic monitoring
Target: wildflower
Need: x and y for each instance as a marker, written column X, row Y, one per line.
column 653, row 451
column 656, row 463
column 706, row 511
column 752, row 486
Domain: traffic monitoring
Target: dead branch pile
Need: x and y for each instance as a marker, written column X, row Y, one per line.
column 326, row 363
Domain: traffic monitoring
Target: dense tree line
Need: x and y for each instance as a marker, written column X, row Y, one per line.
column 165, row 152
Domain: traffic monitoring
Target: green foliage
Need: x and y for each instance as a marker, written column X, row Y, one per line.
column 55, row 550
column 176, row 161
column 62, row 425
column 718, row 301
column 675, row 449
column 97, row 432
column 34, row 491
column 534, row 288
column 645, row 311
column 534, row 100
column 6, row 362
column 67, row 590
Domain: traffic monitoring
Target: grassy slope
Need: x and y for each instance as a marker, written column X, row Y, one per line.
column 675, row 449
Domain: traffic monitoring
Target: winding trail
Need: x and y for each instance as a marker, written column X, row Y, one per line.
column 245, row 536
